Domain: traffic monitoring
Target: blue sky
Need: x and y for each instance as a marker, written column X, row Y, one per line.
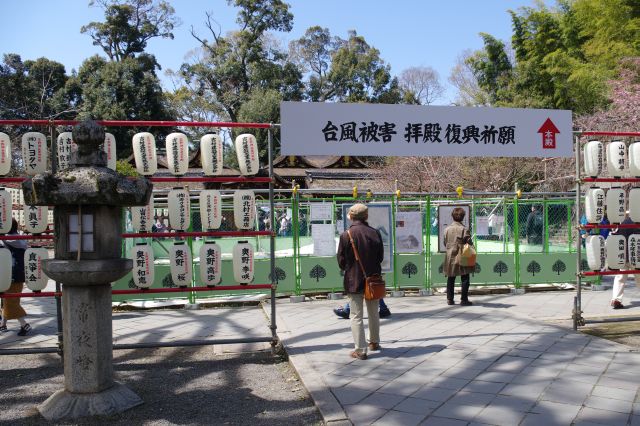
column 407, row 32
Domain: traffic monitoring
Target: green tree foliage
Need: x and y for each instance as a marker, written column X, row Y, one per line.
column 32, row 89
column 129, row 25
column 563, row 57
column 344, row 70
column 245, row 66
column 124, row 90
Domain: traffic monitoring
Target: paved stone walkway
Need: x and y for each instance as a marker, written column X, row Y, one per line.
column 507, row 360
column 499, row 362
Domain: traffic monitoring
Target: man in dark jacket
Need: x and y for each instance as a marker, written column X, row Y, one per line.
column 368, row 242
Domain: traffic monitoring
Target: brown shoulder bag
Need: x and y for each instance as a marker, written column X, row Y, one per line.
column 374, row 285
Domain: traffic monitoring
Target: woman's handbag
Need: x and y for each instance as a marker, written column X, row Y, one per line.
column 467, row 256
column 374, row 286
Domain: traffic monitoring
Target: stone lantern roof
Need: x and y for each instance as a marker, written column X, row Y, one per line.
column 88, row 181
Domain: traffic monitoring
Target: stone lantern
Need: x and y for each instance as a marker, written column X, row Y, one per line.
column 88, row 198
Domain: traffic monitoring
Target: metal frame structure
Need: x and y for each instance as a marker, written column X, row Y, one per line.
column 576, row 314
column 273, row 339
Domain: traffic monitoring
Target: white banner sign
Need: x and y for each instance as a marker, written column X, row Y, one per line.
column 321, row 211
column 414, row 130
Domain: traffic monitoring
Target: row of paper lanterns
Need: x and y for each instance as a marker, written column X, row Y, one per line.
column 177, row 151
column 181, row 268
column 35, row 278
column 616, row 158
column 614, row 251
column 35, row 217
column 35, row 153
column 615, row 200
column 179, row 207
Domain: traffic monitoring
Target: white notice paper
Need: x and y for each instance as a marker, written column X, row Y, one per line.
column 324, row 243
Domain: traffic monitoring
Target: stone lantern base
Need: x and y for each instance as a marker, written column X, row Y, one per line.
column 66, row 405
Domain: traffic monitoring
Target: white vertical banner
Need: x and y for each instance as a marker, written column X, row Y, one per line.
column 36, row 219
column 210, row 209
column 64, row 146
column 34, row 153
column 210, row 263
column 243, row 262
column 244, row 209
column 180, row 264
column 247, row 153
column 144, row 151
column 5, row 154
column 143, row 265
column 319, row 128
column 177, row 149
column 179, row 209
column 109, row 147
column 34, row 276
column 212, row 155
column 142, row 217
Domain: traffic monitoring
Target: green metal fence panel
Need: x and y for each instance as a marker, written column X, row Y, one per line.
column 320, row 273
column 541, row 268
column 491, row 269
column 411, row 271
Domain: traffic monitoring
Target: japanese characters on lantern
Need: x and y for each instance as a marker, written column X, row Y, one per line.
column 34, row 276
column 616, row 246
column 64, row 147
column 594, row 202
column 596, row 253
column 244, row 212
column 179, row 209
column 212, row 154
column 634, row 251
column 247, row 153
column 109, row 147
column 210, row 209
column 144, row 151
column 243, row 262
column 35, row 219
column 616, row 156
column 34, row 153
column 593, row 158
column 142, row 217
column 180, row 258
column 177, row 146
column 5, row 154
column 143, row 267
column 616, row 200
column 6, row 205
column 210, row 263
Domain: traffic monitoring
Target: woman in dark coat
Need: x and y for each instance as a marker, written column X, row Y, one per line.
column 455, row 236
column 11, row 308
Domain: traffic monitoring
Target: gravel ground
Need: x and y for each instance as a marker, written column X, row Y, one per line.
column 627, row 333
column 186, row 386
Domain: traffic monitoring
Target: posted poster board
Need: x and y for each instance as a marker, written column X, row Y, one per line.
column 482, row 225
column 319, row 128
column 324, row 241
column 409, row 232
column 445, row 219
column 321, row 211
column 380, row 219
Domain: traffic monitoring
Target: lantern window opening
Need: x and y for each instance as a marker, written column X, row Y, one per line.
column 85, row 231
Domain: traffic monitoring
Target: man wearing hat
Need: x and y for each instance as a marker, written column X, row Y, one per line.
column 368, row 243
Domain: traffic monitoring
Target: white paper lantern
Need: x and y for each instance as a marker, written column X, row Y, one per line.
column 6, row 263
column 244, row 212
column 144, row 151
column 143, row 267
column 594, row 205
column 616, row 199
column 34, row 276
column 34, row 153
column 36, row 219
column 243, row 262
column 634, row 159
column 179, row 209
column 109, row 148
column 6, row 205
column 616, row 156
column 210, row 263
column 593, row 158
column 142, row 217
column 616, row 246
column 180, row 263
column 633, row 248
column 5, row 154
column 596, row 253
column 210, row 209
column 64, row 146
column 247, row 153
column 211, row 154
column 634, row 204
column 177, row 145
